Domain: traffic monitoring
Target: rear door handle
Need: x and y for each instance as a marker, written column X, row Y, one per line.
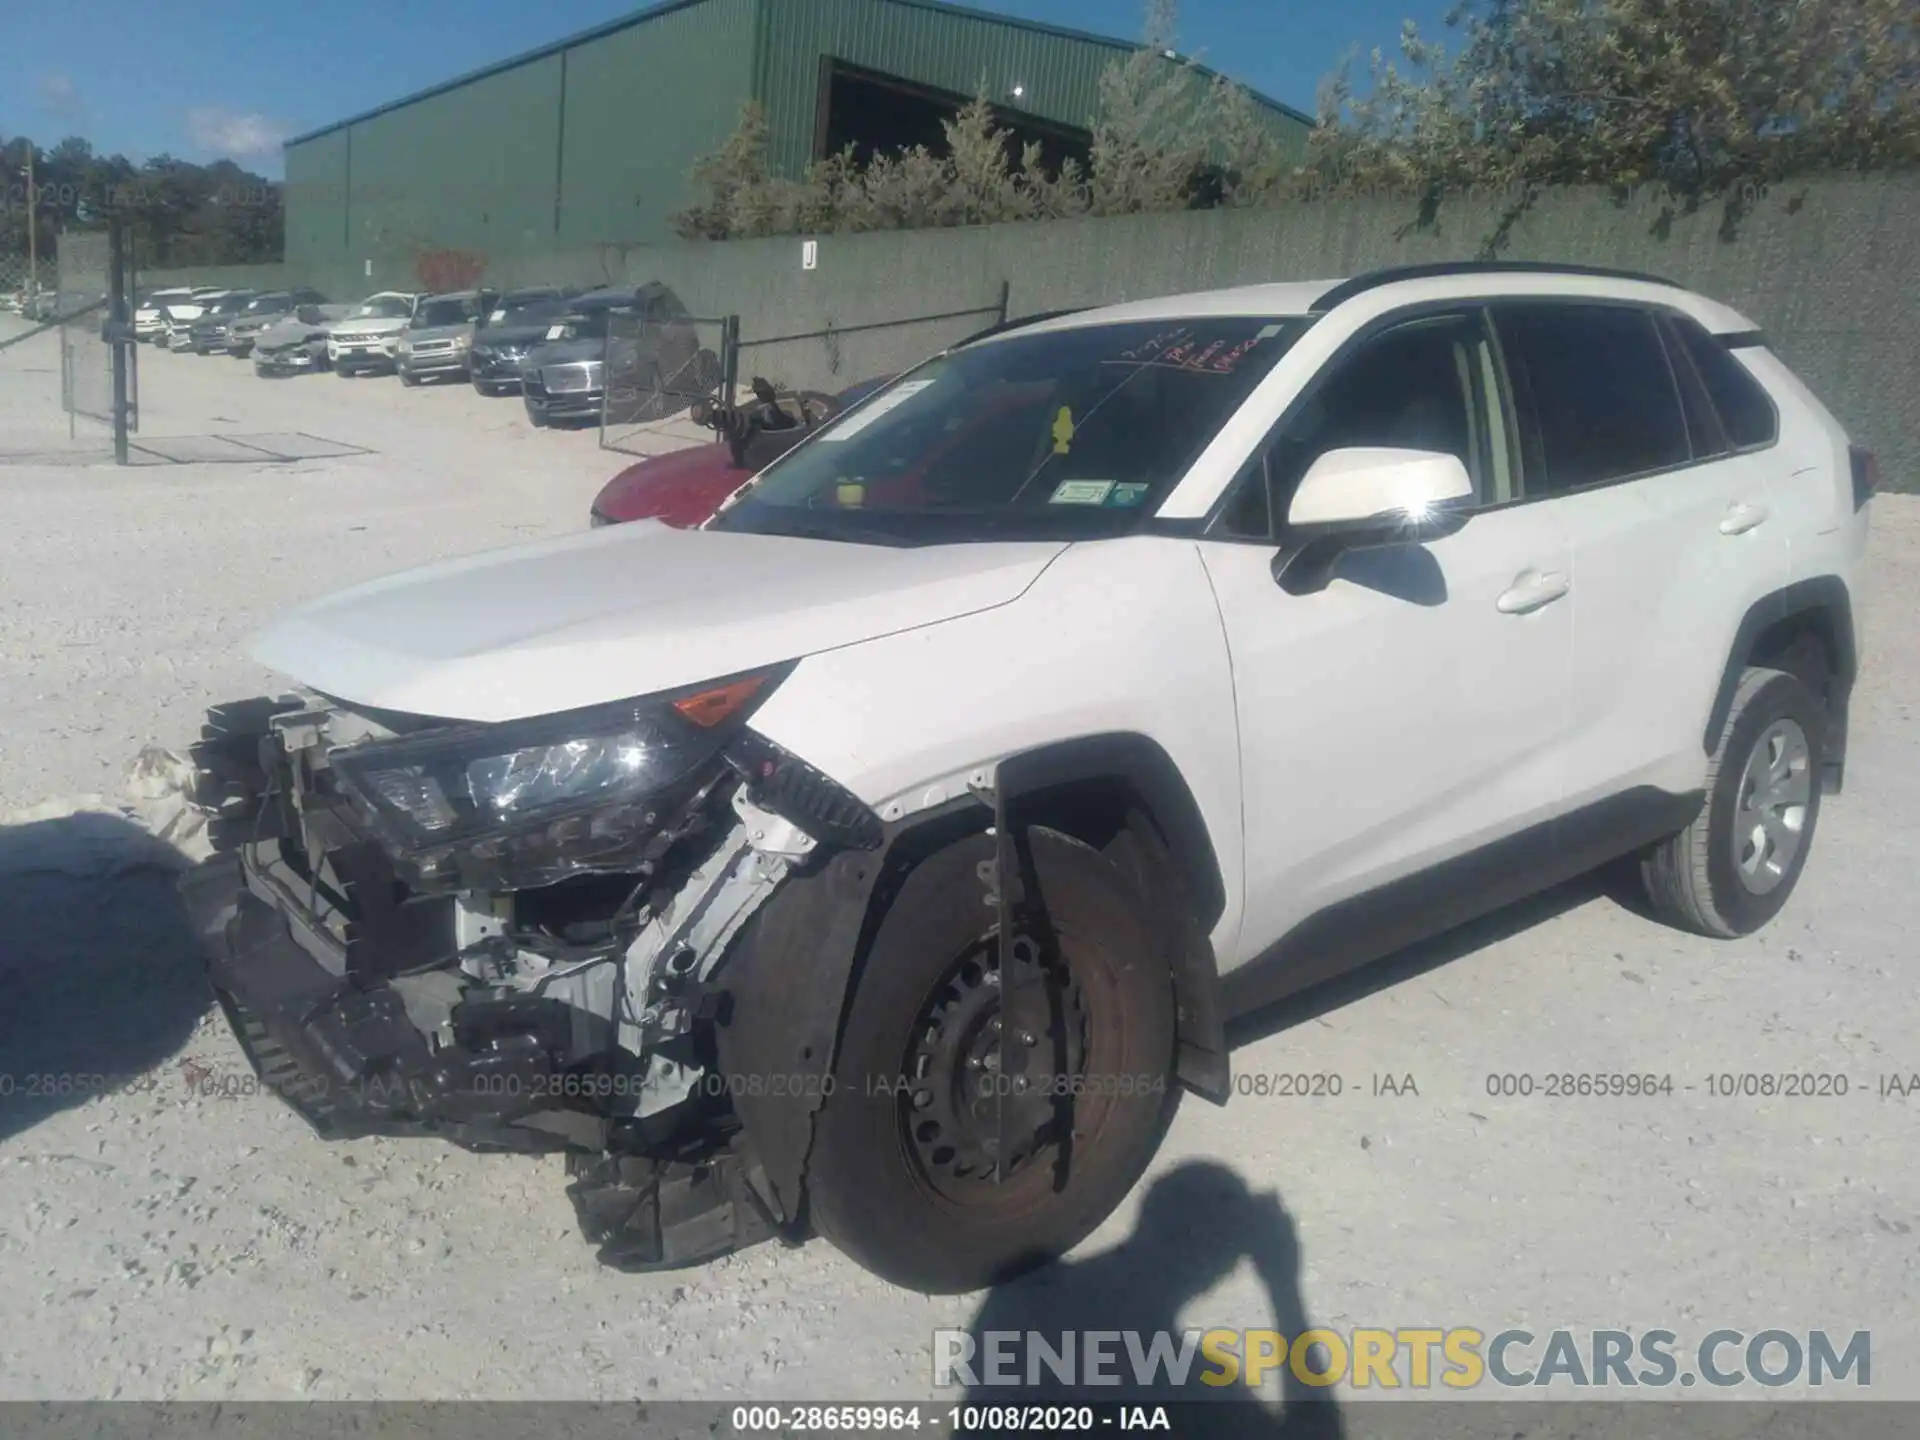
column 1531, row 591
column 1742, row 517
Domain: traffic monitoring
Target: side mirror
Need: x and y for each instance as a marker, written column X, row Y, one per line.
column 1368, row 498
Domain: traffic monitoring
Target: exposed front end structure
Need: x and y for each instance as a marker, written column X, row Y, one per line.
column 509, row 936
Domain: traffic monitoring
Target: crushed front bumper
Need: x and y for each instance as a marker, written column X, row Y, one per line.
column 344, row 1052
column 371, row 1009
column 286, row 362
column 348, row 1058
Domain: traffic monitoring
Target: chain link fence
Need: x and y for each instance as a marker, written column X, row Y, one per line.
column 86, row 359
column 18, row 278
column 837, row 356
column 656, row 369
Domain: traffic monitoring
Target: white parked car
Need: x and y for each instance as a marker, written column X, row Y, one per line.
column 886, row 856
column 150, row 316
column 370, row 335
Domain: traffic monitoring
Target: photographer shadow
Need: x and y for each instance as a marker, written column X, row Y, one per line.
column 1197, row 1223
column 98, row 962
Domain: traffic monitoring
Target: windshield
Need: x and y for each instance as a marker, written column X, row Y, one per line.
column 383, row 307
column 529, row 311
column 579, row 325
column 443, row 312
column 268, row 304
column 227, row 305
column 1072, row 434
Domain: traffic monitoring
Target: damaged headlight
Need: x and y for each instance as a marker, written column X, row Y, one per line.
column 531, row 802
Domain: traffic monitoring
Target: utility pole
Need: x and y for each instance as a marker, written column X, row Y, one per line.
column 33, row 239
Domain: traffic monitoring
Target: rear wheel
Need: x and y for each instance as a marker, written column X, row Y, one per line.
column 1732, row 869
column 981, row 1124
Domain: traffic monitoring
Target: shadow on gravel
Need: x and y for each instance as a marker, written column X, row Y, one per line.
column 99, row 969
column 1197, row 1222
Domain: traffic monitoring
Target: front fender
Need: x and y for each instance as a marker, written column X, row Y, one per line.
column 1118, row 638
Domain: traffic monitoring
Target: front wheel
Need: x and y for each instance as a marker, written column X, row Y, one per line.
column 981, row 1124
column 1732, row 869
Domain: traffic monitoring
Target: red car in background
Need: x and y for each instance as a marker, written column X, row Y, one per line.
column 683, row 489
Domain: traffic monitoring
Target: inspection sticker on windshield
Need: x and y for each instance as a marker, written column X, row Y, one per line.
column 873, row 410
column 1082, row 492
column 1130, row 493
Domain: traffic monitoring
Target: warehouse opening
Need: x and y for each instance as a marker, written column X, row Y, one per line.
column 876, row 113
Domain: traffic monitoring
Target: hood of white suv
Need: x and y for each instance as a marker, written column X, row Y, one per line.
column 624, row 611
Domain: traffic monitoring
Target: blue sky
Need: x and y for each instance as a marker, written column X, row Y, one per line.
column 206, row 78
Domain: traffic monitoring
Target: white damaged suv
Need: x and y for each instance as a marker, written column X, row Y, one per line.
column 883, row 859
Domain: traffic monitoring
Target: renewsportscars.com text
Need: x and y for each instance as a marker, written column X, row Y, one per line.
column 1460, row 1358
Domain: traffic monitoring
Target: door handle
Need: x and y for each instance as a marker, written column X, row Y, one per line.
column 1742, row 517
column 1532, row 591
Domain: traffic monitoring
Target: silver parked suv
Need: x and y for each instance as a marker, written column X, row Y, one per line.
column 439, row 337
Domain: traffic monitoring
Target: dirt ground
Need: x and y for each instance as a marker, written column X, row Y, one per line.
column 159, row 1241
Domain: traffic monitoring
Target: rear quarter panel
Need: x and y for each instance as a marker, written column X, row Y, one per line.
column 1813, row 493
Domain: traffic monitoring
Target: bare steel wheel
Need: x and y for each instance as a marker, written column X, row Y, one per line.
column 990, row 1083
column 982, row 1123
column 1730, row 871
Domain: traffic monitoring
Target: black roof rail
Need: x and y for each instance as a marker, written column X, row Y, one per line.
column 1374, row 279
column 1003, row 326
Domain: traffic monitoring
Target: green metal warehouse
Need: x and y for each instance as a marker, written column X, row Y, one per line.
column 589, row 141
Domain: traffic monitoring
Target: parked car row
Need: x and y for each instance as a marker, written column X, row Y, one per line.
column 549, row 345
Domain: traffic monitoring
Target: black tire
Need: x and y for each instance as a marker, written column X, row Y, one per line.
column 536, row 419
column 481, row 387
column 1694, row 880
column 872, row 1189
column 408, row 378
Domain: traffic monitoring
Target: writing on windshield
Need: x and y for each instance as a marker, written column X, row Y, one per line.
column 1057, row 424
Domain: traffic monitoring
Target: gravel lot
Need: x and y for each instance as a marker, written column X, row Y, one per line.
column 162, row 1243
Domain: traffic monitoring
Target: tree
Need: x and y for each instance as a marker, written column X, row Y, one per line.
column 1702, row 100
column 737, row 168
column 181, row 214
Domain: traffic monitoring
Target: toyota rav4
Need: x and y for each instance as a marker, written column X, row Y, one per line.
column 882, row 859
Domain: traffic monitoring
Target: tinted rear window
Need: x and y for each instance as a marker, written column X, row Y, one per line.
column 1600, row 390
column 1745, row 411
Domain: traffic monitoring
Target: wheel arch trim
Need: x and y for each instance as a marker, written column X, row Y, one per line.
column 1168, row 834
column 1144, row 765
column 1822, row 596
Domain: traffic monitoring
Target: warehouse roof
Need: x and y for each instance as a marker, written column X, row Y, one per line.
column 668, row 7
